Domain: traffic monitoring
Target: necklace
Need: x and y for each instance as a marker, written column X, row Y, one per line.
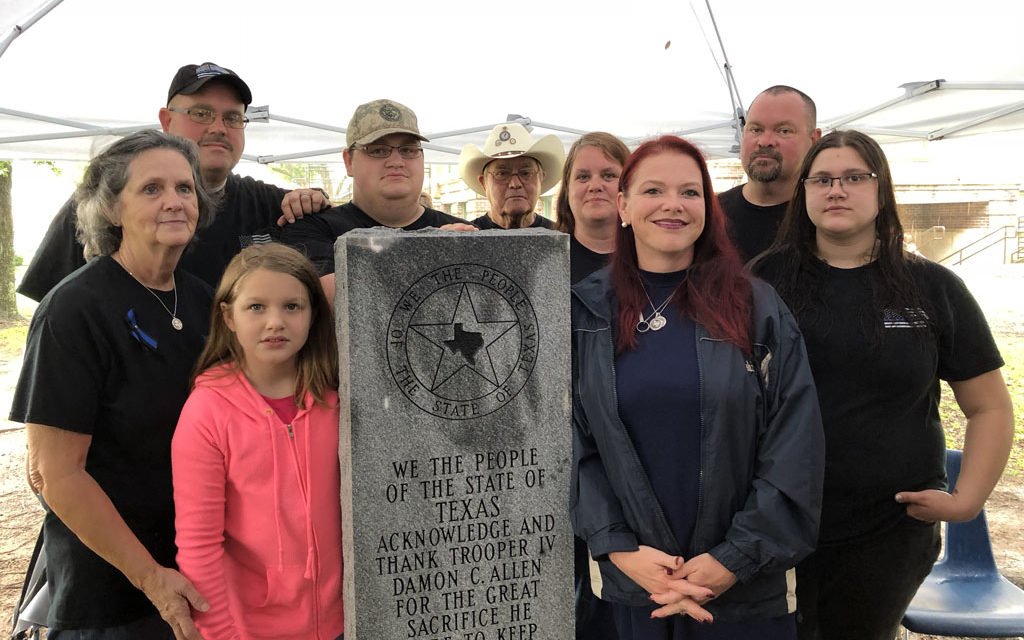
column 175, row 321
column 655, row 321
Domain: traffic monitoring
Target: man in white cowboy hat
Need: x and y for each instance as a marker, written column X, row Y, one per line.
column 512, row 171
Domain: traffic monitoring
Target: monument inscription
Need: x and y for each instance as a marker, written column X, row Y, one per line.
column 455, row 434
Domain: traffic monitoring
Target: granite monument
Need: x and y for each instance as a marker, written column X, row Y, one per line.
column 455, row 434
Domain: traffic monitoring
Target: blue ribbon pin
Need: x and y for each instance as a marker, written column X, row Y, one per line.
column 136, row 332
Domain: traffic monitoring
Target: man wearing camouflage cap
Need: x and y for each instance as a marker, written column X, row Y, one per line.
column 385, row 160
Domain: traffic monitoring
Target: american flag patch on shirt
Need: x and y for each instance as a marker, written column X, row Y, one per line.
column 256, row 238
column 906, row 318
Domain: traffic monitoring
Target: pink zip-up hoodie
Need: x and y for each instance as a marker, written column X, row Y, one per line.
column 258, row 517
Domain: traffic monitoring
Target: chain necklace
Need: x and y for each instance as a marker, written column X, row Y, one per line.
column 655, row 321
column 175, row 321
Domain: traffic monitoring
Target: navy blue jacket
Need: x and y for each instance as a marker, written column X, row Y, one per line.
column 762, row 457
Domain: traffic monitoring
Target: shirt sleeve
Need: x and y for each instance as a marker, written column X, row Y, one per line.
column 65, row 366
column 199, row 472
column 313, row 236
column 595, row 510
column 966, row 346
column 58, row 254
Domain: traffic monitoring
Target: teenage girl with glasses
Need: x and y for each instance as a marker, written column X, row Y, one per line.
column 882, row 327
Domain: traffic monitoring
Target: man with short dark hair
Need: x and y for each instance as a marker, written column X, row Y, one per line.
column 512, row 171
column 780, row 128
column 205, row 103
column 385, row 160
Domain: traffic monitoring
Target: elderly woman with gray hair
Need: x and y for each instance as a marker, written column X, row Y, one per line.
column 106, row 370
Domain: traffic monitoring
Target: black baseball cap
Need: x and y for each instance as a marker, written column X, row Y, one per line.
column 192, row 77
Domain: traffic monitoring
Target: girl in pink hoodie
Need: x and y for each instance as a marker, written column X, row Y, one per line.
column 256, row 477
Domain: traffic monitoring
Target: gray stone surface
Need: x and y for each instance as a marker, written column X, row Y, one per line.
column 455, row 434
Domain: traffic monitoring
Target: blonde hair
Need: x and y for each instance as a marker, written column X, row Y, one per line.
column 317, row 360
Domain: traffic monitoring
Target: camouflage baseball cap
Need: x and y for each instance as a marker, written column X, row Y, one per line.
column 374, row 120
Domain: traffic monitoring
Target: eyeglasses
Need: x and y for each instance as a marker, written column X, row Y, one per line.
column 381, row 151
column 202, row 115
column 851, row 181
column 504, row 175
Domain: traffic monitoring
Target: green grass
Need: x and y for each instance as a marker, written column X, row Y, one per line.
column 1012, row 349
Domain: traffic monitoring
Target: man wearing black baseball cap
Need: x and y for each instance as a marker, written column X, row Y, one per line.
column 205, row 103
column 192, row 77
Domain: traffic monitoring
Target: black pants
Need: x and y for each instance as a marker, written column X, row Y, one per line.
column 151, row 628
column 860, row 590
column 594, row 620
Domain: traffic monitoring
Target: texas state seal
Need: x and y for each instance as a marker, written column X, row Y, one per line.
column 462, row 341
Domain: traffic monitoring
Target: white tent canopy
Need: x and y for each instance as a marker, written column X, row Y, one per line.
column 96, row 66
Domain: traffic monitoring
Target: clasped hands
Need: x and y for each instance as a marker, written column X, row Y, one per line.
column 681, row 587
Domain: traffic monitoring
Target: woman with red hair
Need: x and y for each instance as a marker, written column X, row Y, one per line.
column 697, row 442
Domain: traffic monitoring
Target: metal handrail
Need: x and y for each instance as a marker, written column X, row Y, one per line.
column 1003, row 238
column 1018, row 255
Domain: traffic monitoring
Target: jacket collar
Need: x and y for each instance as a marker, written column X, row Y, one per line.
column 596, row 295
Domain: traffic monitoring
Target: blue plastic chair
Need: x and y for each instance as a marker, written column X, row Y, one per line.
column 965, row 595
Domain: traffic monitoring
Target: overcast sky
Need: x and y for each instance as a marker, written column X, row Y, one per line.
column 591, row 65
column 588, row 65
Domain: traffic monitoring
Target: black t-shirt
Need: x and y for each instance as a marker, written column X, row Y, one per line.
column 583, row 261
column 878, row 385
column 751, row 227
column 315, row 235
column 485, row 223
column 247, row 213
column 85, row 372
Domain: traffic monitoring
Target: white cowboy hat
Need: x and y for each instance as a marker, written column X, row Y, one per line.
column 508, row 141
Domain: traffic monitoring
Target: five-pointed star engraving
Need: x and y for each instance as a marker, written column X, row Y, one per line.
column 466, row 347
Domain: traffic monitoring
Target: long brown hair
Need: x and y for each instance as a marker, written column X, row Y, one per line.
column 317, row 360
column 717, row 294
column 613, row 148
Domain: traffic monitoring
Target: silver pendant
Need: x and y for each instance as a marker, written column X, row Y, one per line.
column 642, row 326
column 178, row 325
column 658, row 322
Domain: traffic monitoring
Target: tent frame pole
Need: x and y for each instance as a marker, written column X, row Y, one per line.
column 21, row 27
